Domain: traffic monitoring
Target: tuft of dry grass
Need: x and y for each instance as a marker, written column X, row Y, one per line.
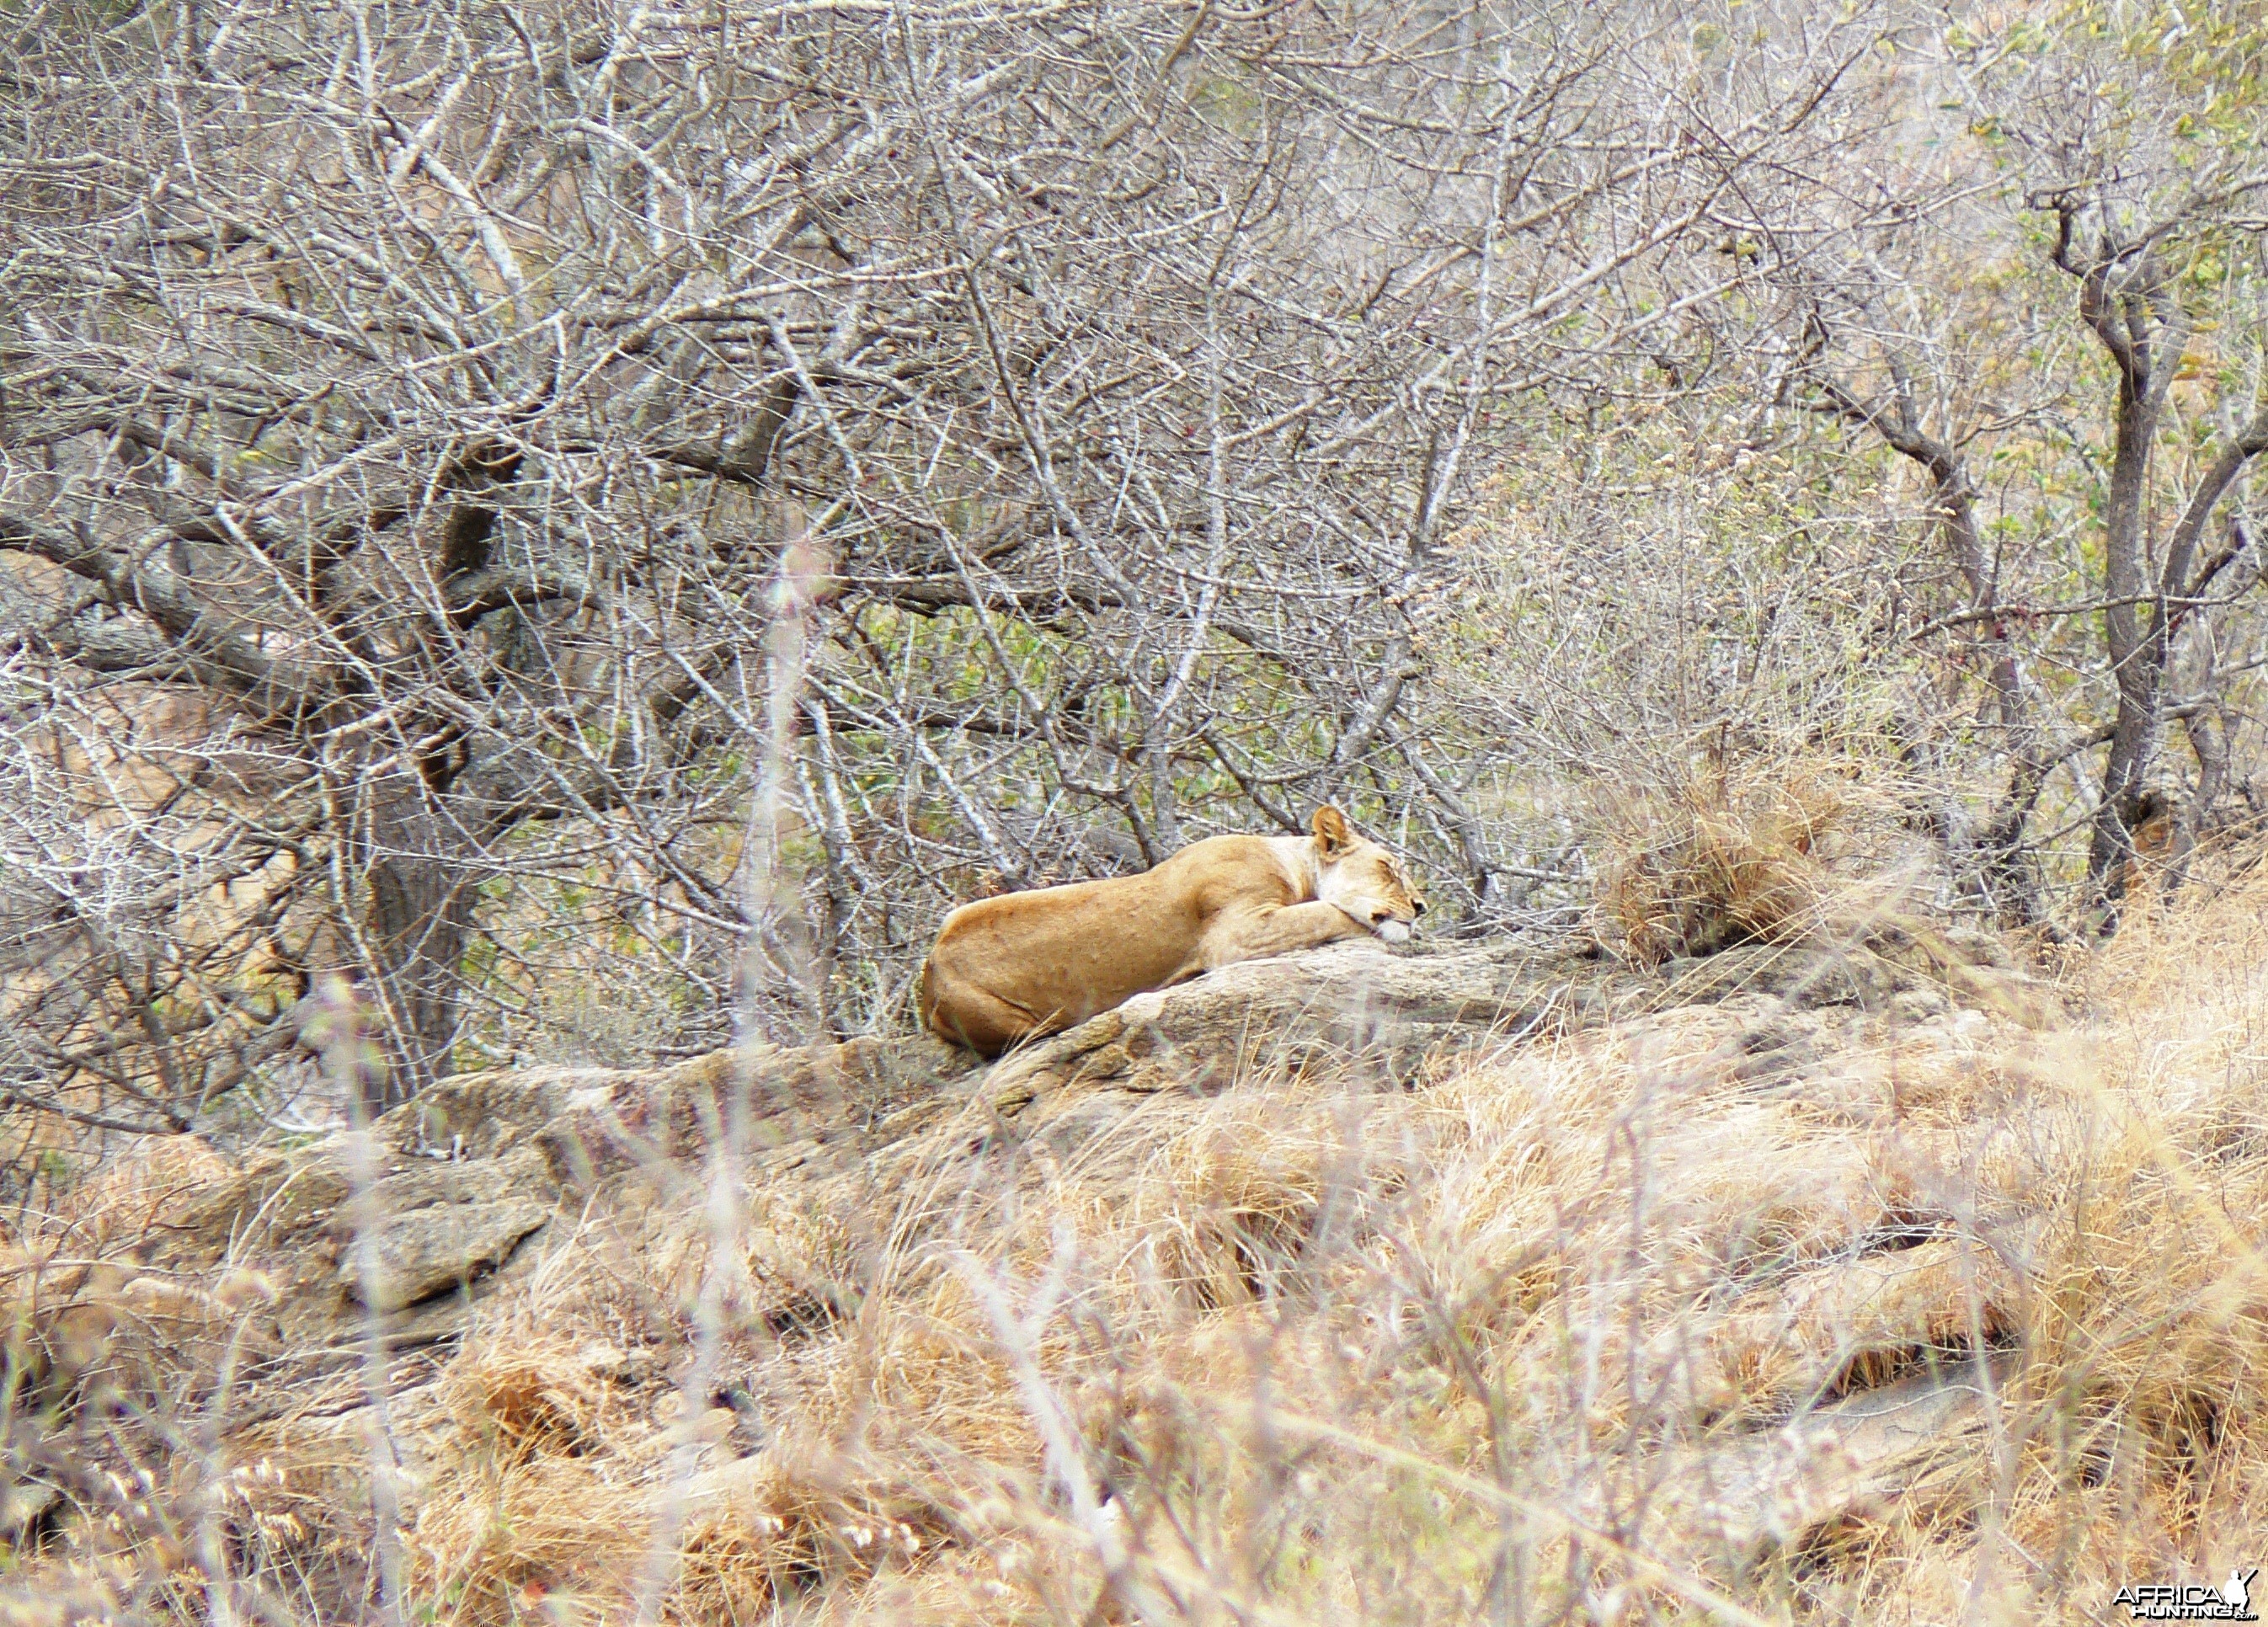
column 1733, row 853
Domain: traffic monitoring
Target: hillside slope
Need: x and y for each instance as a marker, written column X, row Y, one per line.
column 1835, row 1282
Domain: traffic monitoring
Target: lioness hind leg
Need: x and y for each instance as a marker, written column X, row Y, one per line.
column 972, row 1017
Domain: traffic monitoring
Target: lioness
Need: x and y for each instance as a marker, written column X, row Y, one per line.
column 1026, row 964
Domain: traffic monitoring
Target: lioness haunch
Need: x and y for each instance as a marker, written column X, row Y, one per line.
column 1026, row 964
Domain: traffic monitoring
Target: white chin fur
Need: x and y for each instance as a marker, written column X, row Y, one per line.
column 1393, row 931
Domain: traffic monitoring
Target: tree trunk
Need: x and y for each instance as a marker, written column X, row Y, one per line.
column 418, row 923
column 2144, row 333
column 2132, row 637
column 2142, row 632
column 2008, row 869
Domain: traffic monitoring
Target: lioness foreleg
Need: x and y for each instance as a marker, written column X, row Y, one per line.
column 1281, row 929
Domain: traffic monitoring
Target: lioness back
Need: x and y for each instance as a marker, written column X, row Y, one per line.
column 1034, row 962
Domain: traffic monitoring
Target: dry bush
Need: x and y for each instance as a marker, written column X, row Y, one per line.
column 1740, row 852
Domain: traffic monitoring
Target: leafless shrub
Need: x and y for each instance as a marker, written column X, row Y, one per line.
column 407, row 409
column 599, row 525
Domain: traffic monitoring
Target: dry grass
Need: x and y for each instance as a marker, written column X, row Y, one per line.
column 1298, row 1353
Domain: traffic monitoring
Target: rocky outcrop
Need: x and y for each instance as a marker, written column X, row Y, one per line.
column 1395, row 1016
column 461, row 1180
column 1757, row 1488
column 466, row 1175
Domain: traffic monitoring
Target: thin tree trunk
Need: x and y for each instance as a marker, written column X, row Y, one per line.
column 2208, row 735
column 2011, row 874
column 2145, row 332
column 2134, row 639
column 418, row 924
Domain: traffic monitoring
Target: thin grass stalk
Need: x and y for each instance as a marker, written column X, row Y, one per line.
column 350, row 1058
column 771, row 901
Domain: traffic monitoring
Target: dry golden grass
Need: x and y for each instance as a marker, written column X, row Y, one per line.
column 1501, row 1348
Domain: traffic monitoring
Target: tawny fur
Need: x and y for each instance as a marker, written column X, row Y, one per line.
column 1026, row 964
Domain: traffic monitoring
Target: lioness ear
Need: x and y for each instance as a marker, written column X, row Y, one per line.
column 1332, row 836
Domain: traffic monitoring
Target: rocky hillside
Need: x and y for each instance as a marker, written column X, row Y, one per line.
column 1865, row 1280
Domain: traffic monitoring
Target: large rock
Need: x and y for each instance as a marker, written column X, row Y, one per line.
column 1343, row 1001
column 438, row 1229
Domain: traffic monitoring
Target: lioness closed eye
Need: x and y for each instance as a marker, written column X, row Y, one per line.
column 1024, row 964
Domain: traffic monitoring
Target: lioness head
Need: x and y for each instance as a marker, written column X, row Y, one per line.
column 1363, row 879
